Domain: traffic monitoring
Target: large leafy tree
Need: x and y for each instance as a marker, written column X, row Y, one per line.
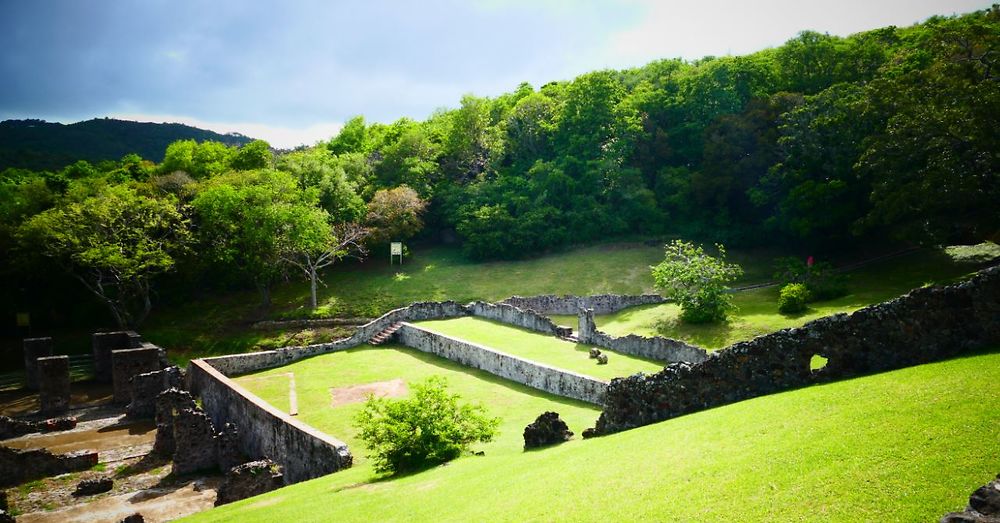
column 696, row 280
column 394, row 214
column 115, row 243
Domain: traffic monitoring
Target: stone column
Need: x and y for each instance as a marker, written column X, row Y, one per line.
column 102, row 343
column 34, row 348
column 53, row 384
column 126, row 363
column 587, row 328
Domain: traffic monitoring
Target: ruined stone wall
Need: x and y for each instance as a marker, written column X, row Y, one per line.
column 102, row 343
column 34, row 348
column 126, row 363
column 656, row 348
column 512, row 315
column 20, row 466
column 928, row 324
column 532, row 374
column 569, row 305
column 264, row 431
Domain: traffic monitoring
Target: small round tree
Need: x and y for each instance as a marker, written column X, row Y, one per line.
column 696, row 281
column 427, row 429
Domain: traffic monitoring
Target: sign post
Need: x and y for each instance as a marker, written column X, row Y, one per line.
column 396, row 249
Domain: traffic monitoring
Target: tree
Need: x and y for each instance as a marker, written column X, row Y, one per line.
column 254, row 155
column 394, row 214
column 696, row 280
column 248, row 220
column 317, row 169
column 311, row 249
column 114, row 243
column 430, row 428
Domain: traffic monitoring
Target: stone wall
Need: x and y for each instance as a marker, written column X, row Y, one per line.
column 532, row 374
column 657, row 348
column 53, row 384
column 512, row 315
column 34, row 348
column 928, row 324
column 146, row 387
column 569, row 305
column 102, row 343
column 263, row 430
column 20, row 466
column 126, row 363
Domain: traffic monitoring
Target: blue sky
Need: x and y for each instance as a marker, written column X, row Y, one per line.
column 293, row 71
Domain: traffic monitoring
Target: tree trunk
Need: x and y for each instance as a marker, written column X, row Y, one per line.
column 265, row 295
column 312, row 288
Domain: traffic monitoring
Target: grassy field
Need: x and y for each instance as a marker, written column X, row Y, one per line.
column 515, row 404
column 541, row 348
column 757, row 310
column 909, row 445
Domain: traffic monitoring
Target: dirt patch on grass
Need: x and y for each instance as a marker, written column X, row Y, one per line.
column 358, row 393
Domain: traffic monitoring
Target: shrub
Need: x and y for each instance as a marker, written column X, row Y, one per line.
column 820, row 278
column 696, row 281
column 793, row 298
column 427, row 429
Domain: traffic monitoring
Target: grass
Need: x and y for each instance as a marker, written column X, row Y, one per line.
column 541, row 348
column 757, row 310
column 908, row 445
column 515, row 404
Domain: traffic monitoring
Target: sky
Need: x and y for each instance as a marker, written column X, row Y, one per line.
column 291, row 72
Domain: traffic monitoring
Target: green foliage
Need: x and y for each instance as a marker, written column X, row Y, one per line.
column 114, row 242
column 696, row 281
column 430, row 428
column 254, row 155
column 394, row 214
column 793, row 298
column 821, row 279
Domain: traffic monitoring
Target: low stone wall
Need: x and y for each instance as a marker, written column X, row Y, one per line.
column 20, row 466
column 928, row 324
column 263, row 430
column 569, row 305
column 512, row 315
column 526, row 372
column 126, row 363
column 657, row 348
column 34, row 348
column 102, row 343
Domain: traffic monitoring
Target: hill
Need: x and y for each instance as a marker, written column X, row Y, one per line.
column 41, row 145
column 901, row 446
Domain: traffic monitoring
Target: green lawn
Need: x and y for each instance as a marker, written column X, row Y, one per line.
column 218, row 324
column 515, row 404
column 909, row 445
column 757, row 310
column 541, row 348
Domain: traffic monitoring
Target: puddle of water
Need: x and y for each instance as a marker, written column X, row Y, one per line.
column 102, row 439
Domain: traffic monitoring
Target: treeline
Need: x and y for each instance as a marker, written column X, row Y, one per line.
column 41, row 145
column 891, row 132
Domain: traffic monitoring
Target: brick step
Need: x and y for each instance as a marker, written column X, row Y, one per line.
column 385, row 334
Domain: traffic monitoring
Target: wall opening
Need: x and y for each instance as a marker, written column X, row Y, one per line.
column 817, row 363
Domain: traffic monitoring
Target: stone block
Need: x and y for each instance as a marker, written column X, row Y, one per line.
column 146, row 387
column 547, row 429
column 227, row 444
column 89, row 487
column 126, row 363
column 53, row 384
column 194, row 443
column 34, row 348
column 168, row 404
column 248, row 480
column 102, row 343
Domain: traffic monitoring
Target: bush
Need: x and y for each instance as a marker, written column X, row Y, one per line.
column 427, row 429
column 696, row 281
column 820, row 278
column 793, row 298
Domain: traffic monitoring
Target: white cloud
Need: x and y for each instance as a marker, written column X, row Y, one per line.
column 691, row 30
column 281, row 137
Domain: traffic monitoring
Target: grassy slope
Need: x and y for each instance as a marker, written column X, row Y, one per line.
column 217, row 324
column 757, row 310
column 541, row 348
column 515, row 404
column 902, row 446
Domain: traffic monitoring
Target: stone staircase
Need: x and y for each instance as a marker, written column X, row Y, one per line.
column 385, row 334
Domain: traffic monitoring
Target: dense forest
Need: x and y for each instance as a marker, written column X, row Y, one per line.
column 41, row 145
column 821, row 141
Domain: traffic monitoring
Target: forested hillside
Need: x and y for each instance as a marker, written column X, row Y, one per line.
column 819, row 142
column 41, row 145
